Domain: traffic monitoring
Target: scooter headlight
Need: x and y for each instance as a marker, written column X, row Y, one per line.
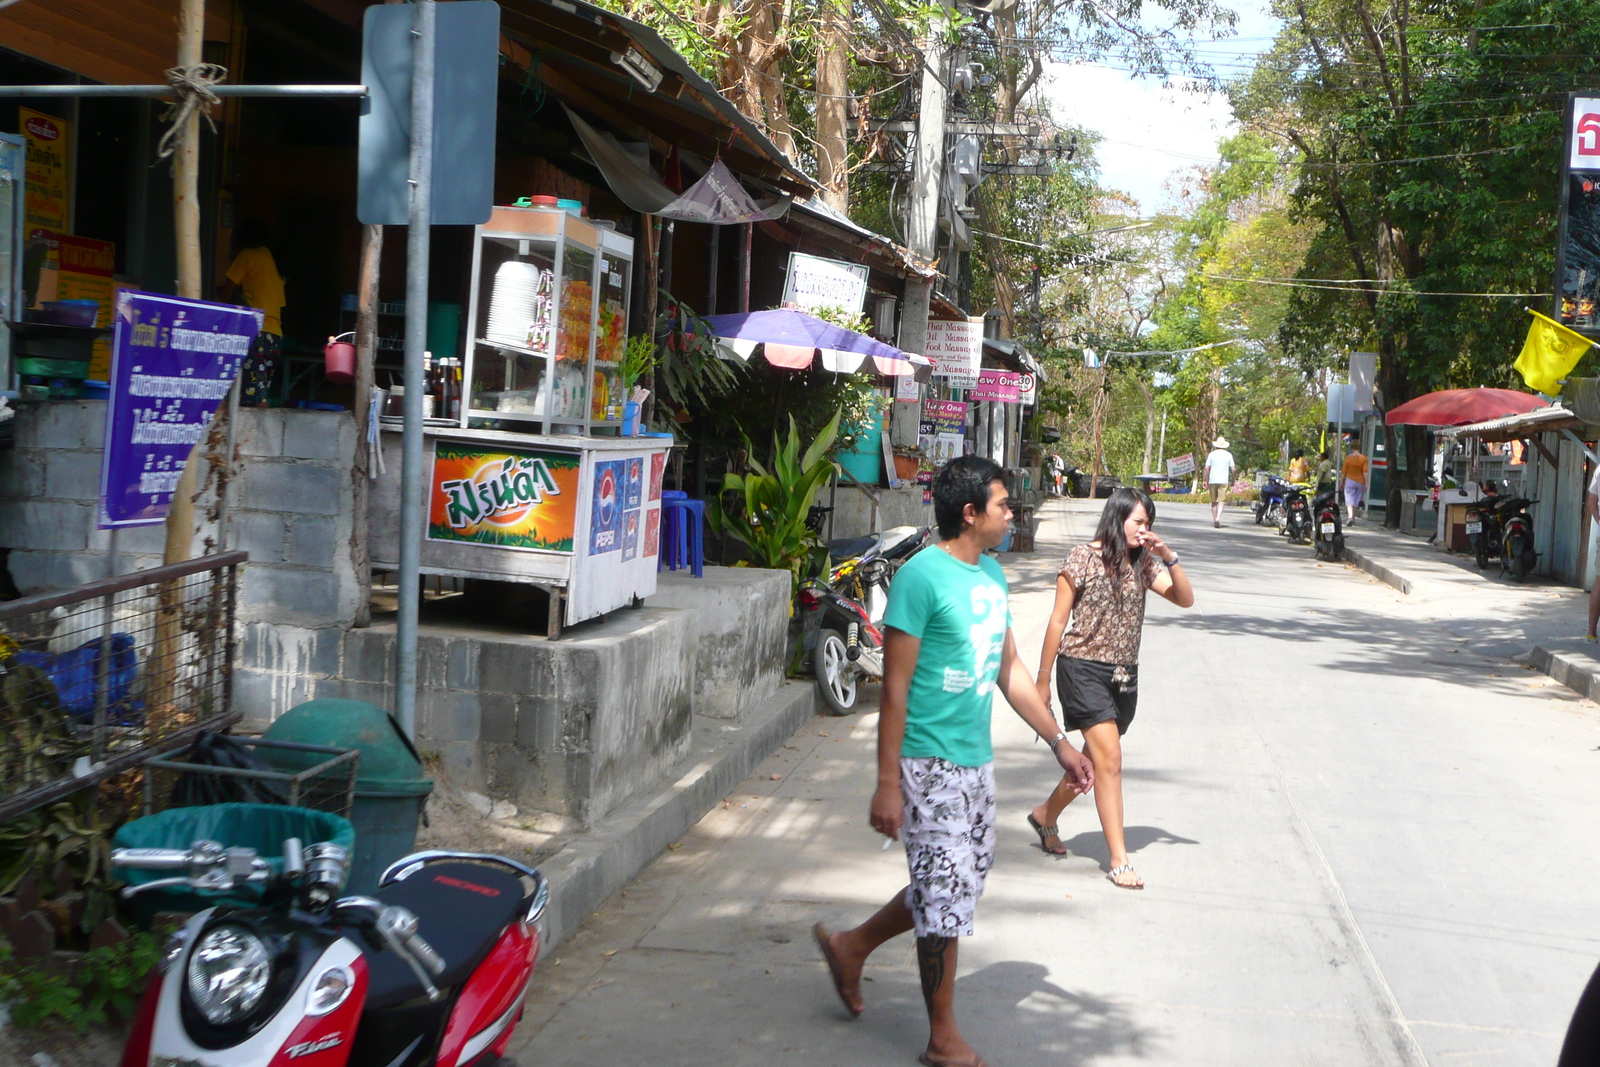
column 228, row 974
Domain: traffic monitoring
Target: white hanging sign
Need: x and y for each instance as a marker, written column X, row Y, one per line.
column 815, row 282
column 956, row 349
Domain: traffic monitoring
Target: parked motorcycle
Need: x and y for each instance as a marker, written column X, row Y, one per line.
column 1328, row 524
column 1269, row 509
column 840, row 617
column 432, row 970
column 1484, row 532
column 1517, row 557
column 1296, row 515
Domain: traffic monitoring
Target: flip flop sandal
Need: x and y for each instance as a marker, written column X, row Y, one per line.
column 820, row 933
column 928, row 1061
column 1126, row 868
column 1045, row 832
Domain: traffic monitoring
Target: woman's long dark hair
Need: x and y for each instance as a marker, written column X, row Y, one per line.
column 1114, row 551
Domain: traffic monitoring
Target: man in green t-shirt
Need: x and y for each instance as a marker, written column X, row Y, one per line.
column 948, row 648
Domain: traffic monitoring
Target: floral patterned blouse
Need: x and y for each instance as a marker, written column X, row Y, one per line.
column 1106, row 627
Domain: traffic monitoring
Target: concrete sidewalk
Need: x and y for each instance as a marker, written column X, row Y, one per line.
column 1539, row 622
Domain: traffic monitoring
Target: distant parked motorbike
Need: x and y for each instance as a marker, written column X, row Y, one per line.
column 1483, row 530
column 1329, row 525
column 1269, row 509
column 1517, row 557
column 1296, row 515
column 841, row 616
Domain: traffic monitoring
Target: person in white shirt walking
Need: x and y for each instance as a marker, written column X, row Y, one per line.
column 1219, row 475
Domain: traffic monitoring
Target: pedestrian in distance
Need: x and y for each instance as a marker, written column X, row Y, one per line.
column 253, row 278
column 1353, row 479
column 1324, row 471
column 1299, row 466
column 1092, row 642
column 1219, row 475
column 948, row 647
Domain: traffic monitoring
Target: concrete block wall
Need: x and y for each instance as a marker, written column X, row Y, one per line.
column 291, row 508
column 741, row 625
column 854, row 514
column 571, row 727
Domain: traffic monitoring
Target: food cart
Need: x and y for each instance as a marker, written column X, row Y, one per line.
column 534, row 482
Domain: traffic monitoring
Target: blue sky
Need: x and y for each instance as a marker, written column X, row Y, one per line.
column 1149, row 130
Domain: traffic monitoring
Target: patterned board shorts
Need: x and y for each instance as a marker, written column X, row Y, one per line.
column 949, row 836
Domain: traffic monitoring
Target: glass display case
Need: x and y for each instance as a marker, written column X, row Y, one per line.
column 548, row 315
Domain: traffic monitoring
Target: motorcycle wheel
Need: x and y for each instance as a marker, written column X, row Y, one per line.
column 1338, row 547
column 1481, row 545
column 1518, row 558
column 836, row 675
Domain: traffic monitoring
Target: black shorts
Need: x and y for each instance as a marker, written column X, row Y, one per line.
column 1092, row 692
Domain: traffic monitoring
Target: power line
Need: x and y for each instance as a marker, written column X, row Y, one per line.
column 1297, row 284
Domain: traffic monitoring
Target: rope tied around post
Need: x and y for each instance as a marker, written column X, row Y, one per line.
column 193, row 86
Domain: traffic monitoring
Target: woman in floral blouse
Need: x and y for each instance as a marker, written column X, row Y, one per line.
column 1093, row 643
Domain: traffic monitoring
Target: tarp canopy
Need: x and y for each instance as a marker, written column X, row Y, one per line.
column 717, row 197
column 794, row 339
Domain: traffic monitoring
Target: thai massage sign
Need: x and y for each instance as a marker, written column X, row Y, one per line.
column 956, row 348
column 172, row 364
column 1004, row 386
column 507, row 497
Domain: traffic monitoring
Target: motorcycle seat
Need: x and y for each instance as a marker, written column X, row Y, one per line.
column 851, row 547
column 461, row 908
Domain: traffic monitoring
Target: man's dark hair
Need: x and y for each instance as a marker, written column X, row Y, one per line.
column 1324, row 453
column 1299, row 453
column 252, row 233
column 963, row 481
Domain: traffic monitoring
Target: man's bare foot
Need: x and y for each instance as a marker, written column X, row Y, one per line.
column 963, row 1056
column 844, row 969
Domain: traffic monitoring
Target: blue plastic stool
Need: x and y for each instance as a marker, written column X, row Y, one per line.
column 682, row 532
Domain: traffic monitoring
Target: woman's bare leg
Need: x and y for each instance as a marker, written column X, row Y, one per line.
column 1104, row 746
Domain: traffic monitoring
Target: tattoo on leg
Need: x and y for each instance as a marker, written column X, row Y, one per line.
column 930, row 962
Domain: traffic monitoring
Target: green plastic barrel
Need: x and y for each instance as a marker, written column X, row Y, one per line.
column 262, row 827
column 390, row 787
column 865, row 461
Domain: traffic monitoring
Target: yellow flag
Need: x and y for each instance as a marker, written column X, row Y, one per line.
column 1549, row 354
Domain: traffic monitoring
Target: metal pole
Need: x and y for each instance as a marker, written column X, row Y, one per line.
column 411, row 472
column 162, row 91
column 102, row 700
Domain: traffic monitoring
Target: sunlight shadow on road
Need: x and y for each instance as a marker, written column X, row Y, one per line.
column 1014, row 1014
column 1091, row 844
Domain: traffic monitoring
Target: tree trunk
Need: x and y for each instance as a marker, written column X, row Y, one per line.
column 833, row 89
column 366, row 357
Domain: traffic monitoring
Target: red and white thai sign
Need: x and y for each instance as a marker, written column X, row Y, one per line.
column 1003, row 386
column 1583, row 142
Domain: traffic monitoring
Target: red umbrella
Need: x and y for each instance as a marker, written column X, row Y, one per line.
column 1460, row 407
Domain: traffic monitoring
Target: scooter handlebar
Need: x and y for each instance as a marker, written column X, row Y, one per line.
column 151, row 859
column 425, row 954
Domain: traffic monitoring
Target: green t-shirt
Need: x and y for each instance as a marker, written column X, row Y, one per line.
column 960, row 613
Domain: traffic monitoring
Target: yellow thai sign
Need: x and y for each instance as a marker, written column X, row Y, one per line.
column 47, row 205
column 511, row 498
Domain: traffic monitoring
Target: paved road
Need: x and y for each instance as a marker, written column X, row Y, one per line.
column 1365, row 843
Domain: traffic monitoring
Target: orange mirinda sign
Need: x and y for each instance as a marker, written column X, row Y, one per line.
column 512, row 498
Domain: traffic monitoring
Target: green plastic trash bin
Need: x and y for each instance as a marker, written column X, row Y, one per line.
column 263, row 827
column 390, row 786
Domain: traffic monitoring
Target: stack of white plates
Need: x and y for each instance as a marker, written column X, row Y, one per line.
column 514, row 306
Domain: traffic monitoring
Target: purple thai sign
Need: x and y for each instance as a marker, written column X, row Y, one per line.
column 172, row 363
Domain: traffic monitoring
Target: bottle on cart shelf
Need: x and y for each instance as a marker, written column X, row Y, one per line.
column 429, row 386
column 453, row 388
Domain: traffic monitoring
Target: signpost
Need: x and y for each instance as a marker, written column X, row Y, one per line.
column 1178, row 466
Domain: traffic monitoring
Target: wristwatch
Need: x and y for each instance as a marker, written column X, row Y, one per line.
column 1171, row 563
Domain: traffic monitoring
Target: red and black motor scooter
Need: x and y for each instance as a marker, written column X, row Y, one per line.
column 431, row 970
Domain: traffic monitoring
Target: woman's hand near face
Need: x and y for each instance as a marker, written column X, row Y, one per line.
column 1149, row 540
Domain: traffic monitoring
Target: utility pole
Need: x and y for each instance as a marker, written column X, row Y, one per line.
column 412, row 482
column 922, row 215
